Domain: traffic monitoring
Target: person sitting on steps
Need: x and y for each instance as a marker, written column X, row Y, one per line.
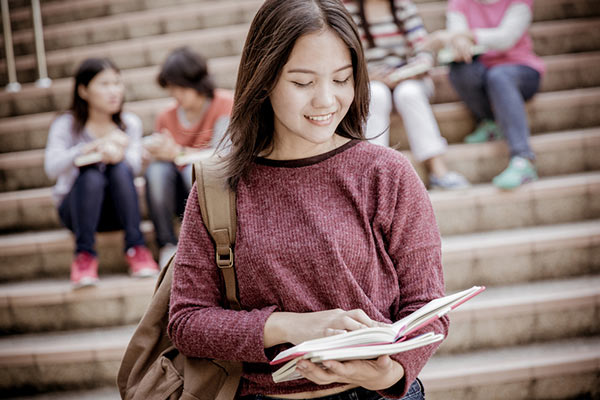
column 496, row 84
column 394, row 49
column 94, row 151
column 197, row 121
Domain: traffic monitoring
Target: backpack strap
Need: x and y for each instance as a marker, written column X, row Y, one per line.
column 218, row 208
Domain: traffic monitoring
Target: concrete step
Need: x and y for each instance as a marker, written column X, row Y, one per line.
column 516, row 256
column 433, row 13
column 154, row 21
column 66, row 11
column 480, row 208
column 553, row 200
column 550, row 38
column 52, row 305
column 34, row 209
column 568, row 71
column 134, row 53
column 563, row 72
column 103, row 393
column 140, row 84
column 559, row 153
column 42, row 254
column 526, row 313
column 62, row 360
column 90, row 358
column 150, row 22
column 562, row 369
column 551, row 111
column 546, row 112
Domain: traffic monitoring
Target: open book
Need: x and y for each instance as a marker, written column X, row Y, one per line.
column 446, row 55
column 369, row 343
column 192, row 157
column 88, row 159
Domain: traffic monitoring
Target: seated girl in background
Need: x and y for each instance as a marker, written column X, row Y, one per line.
column 197, row 121
column 399, row 80
column 496, row 84
column 94, row 151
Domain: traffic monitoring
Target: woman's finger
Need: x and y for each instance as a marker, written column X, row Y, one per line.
column 318, row 373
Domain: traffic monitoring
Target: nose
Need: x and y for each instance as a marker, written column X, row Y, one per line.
column 117, row 88
column 324, row 96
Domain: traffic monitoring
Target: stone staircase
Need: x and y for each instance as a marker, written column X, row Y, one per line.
column 533, row 334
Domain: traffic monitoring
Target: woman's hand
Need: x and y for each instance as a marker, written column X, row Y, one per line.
column 162, row 146
column 112, row 153
column 113, row 146
column 378, row 374
column 462, row 44
column 295, row 328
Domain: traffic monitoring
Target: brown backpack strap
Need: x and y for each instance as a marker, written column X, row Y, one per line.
column 218, row 209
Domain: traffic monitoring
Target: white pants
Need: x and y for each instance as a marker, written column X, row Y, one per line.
column 411, row 99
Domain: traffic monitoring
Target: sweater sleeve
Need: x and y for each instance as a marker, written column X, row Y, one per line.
column 199, row 325
column 514, row 24
column 414, row 31
column 133, row 153
column 60, row 150
column 414, row 246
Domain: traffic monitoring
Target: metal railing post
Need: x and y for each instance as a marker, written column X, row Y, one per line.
column 40, row 51
column 13, row 85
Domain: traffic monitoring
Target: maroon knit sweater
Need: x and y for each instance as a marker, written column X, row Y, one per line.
column 351, row 228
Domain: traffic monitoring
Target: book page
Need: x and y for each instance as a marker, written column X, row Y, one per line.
column 288, row 371
column 352, row 338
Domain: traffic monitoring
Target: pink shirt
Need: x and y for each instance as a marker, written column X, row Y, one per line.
column 351, row 228
column 481, row 15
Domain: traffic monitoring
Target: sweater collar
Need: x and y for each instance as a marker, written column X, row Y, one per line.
column 304, row 162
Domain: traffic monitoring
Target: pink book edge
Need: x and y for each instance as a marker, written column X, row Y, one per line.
column 398, row 339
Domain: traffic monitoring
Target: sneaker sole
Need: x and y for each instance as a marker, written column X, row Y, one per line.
column 145, row 273
column 85, row 282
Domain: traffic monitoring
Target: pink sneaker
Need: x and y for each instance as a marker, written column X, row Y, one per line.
column 141, row 263
column 84, row 270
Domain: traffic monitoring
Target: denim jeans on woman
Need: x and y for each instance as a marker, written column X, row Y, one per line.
column 499, row 94
column 167, row 188
column 415, row 392
column 103, row 198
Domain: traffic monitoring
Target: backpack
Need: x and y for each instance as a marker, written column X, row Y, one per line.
column 152, row 368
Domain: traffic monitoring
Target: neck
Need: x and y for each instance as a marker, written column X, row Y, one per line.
column 286, row 150
column 195, row 113
column 99, row 118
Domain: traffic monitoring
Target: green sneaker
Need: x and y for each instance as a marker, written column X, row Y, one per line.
column 486, row 131
column 519, row 171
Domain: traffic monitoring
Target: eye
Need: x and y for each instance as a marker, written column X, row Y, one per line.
column 344, row 81
column 300, row 84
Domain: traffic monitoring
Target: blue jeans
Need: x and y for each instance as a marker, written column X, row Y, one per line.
column 499, row 93
column 167, row 189
column 415, row 392
column 103, row 198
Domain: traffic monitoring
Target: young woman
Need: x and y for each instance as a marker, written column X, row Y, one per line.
column 399, row 79
column 98, row 194
column 334, row 233
column 197, row 121
column 495, row 85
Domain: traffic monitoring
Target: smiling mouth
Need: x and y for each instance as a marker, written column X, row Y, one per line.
column 320, row 118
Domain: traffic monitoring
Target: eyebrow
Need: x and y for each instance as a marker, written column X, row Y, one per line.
column 308, row 71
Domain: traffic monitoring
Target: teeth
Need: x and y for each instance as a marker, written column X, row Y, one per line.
column 320, row 117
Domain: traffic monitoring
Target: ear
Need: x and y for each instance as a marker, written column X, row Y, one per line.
column 82, row 92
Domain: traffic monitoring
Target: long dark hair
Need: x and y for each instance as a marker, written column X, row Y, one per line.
column 271, row 38
column 185, row 68
column 88, row 69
